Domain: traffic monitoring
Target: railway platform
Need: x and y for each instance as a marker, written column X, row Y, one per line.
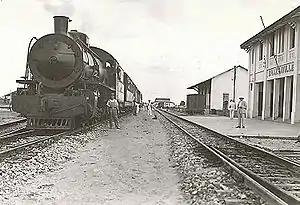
column 254, row 128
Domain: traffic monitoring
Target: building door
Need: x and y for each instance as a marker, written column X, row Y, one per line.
column 225, row 103
column 260, row 98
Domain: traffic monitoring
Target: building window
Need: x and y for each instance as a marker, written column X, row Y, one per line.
column 261, row 51
column 251, row 85
column 272, row 41
column 281, row 40
column 292, row 37
column 252, row 56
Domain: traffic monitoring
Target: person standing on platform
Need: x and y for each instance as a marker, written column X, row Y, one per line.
column 113, row 110
column 10, row 102
column 149, row 108
column 137, row 108
column 134, row 108
column 241, row 111
column 231, row 109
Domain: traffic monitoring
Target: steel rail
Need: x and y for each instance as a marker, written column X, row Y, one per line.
column 271, row 193
column 33, row 142
column 16, row 133
column 280, row 163
column 12, row 123
column 61, row 134
column 292, row 165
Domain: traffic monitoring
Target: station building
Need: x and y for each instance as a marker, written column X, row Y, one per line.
column 220, row 89
column 274, row 82
column 163, row 102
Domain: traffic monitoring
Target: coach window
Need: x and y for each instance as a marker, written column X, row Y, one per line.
column 260, row 51
column 272, row 41
column 292, row 37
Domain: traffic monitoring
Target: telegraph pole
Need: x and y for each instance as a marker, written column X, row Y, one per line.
column 234, row 80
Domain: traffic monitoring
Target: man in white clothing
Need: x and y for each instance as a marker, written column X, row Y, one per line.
column 241, row 110
column 231, row 108
column 113, row 109
column 149, row 108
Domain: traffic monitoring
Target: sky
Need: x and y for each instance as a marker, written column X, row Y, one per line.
column 164, row 45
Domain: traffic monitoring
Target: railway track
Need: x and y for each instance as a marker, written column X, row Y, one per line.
column 274, row 178
column 289, row 154
column 12, row 123
column 12, row 126
column 35, row 138
column 293, row 155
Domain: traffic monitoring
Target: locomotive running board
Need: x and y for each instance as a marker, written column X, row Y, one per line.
column 50, row 123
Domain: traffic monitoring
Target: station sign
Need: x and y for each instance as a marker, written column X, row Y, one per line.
column 284, row 69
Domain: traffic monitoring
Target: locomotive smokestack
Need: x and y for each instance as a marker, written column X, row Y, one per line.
column 61, row 24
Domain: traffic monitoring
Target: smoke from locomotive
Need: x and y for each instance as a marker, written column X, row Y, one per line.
column 67, row 81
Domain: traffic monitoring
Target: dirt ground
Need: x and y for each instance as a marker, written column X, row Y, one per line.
column 126, row 166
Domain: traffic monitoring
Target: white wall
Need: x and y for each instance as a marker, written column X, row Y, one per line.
column 224, row 84
column 221, row 84
column 242, row 86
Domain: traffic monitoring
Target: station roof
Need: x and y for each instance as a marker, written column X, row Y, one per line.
column 277, row 24
column 195, row 87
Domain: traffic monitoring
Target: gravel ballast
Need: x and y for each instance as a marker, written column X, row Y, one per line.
column 103, row 166
column 203, row 179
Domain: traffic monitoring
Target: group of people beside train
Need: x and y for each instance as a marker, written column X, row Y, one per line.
column 114, row 110
column 241, row 110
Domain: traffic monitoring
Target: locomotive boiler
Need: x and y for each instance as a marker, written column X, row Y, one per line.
column 67, row 82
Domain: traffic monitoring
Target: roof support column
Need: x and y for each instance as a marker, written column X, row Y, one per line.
column 264, row 105
column 267, row 100
column 266, row 87
column 255, row 99
column 276, row 98
column 287, row 98
column 295, row 109
column 251, row 87
column 295, row 115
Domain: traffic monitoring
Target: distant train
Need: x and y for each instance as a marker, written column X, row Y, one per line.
column 67, row 82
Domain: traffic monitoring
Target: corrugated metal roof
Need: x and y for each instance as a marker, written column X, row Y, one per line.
column 193, row 86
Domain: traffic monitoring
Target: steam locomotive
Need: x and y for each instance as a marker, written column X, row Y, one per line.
column 67, row 82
